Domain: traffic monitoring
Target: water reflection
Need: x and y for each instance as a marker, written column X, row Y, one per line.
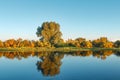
column 117, row 53
column 50, row 62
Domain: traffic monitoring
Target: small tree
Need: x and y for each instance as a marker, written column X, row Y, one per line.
column 117, row 44
column 1, row 44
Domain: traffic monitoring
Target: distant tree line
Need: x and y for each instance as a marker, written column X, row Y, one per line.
column 51, row 36
column 23, row 43
column 102, row 42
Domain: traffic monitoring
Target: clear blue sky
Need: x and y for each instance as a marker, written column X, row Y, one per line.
column 90, row 19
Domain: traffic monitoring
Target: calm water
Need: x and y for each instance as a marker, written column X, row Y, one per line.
column 85, row 65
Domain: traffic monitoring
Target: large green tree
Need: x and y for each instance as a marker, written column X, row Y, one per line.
column 50, row 32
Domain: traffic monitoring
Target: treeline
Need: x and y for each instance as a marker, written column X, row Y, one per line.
column 23, row 43
column 51, row 36
column 101, row 42
column 50, row 32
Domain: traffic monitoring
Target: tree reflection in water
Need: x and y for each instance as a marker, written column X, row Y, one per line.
column 102, row 54
column 50, row 62
column 99, row 54
column 117, row 53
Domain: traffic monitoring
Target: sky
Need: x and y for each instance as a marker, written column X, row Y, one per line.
column 89, row 19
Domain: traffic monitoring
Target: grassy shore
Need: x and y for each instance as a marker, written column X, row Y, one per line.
column 61, row 49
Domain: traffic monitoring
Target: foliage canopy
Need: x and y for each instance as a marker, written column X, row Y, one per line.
column 49, row 32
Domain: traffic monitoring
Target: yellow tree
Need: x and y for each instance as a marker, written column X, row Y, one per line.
column 102, row 42
column 24, row 43
column 1, row 44
column 49, row 32
column 18, row 42
column 10, row 43
column 79, row 42
column 87, row 44
column 83, row 43
column 71, row 42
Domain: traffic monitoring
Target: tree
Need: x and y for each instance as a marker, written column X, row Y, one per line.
column 80, row 42
column 71, row 43
column 25, row 43
column 42, row 44
column 1, row 44
column 86, row 44
column 103, row 42
column 83, row 43
column 10, row 43
column 49, row 32
column 18, row 42
column 117, row 44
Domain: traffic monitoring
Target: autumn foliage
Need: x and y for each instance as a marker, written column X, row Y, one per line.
column 23, row 43
column 101, row 42
column 51, row 36
column 50, row 32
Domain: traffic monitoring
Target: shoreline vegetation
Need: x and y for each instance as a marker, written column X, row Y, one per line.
column 51, row 40
column 61, row 49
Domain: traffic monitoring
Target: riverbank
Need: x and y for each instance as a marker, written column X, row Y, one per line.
column 61, row 49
